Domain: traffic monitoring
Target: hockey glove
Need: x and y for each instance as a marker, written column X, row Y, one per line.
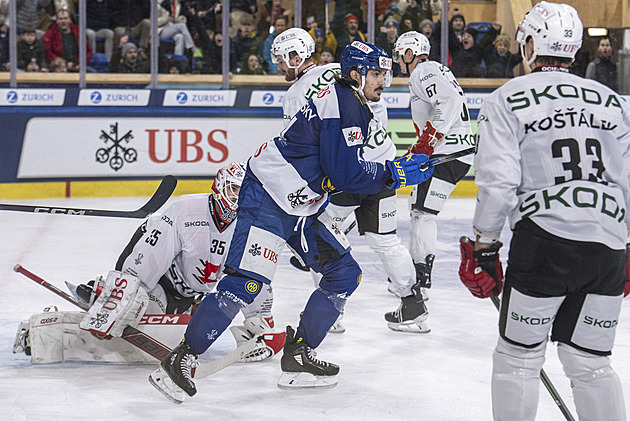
column 481, row 270
column 269, row 343
column 406, row 171
column 426, row 140
column 626, row 290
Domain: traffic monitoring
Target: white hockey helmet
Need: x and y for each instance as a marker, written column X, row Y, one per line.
column 555, row 28
column 294, row 39
column 414, row 41
column 225, row 189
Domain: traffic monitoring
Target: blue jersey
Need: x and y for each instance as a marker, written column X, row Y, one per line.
column 319, row 151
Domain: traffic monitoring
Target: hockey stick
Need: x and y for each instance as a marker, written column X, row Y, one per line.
column 545, row 379
column 211, row 367
column 145, row 342
column 448, row 158
column 161, row 195
column 298, row 265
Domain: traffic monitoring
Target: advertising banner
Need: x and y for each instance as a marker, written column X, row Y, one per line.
column 114, row 97
column 119, row 147
column 32, row 97
column 199, row 98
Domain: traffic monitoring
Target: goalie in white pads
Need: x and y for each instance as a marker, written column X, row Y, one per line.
column 553, row 157
column 176, row 257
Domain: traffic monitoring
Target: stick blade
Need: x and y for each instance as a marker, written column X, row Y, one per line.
column 161, row 195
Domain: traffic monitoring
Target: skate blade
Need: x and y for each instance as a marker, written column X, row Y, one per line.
column 417, row 325
column 160, row 380
column 306, row 381
column 337, row 328
column 392, row 290
column 410, row 327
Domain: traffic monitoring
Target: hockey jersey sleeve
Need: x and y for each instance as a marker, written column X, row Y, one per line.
column 341, row 139
column 497, row 168
column 154, row 252
column 438, row 97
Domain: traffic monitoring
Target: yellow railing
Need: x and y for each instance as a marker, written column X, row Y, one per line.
column 236, row 80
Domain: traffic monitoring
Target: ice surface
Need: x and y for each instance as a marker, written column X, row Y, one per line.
column 385, row 375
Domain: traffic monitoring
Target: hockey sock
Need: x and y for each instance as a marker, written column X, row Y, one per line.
column 213, row 316
column 597, row 390
column 321, row 312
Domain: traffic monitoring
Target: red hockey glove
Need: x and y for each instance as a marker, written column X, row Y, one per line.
column 481, row 270
column 626, row 290
column 426, row 140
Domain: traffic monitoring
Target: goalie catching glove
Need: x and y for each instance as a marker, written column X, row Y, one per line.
column 121, row 303
column 426, row 140
column 481, row 270
column 269, row 343
column 406, row 171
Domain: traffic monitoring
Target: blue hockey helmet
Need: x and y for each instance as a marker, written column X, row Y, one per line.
column 361, row 56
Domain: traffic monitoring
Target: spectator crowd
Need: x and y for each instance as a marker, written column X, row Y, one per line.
column 118, row 36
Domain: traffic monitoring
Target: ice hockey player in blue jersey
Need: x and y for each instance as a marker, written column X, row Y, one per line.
column 288, row 180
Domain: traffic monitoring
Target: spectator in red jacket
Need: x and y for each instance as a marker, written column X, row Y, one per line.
column 61, row 40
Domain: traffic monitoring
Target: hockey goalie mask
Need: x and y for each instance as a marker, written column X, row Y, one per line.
column 225, row 189
column 292, row 40
column 556, row 30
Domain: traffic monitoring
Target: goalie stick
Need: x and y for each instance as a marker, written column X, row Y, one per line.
column 545, row 379
column 145, row 342
column 161, row 195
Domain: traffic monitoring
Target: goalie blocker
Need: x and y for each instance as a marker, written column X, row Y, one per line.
column 122, row 303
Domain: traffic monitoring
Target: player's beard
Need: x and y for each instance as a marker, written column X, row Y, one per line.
column 289, row 75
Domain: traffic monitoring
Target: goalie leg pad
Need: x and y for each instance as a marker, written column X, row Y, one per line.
column 304, row 380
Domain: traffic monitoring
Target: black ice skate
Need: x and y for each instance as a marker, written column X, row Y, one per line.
column 300, row 368
column 174, row 377
column 423, row 274
column 411, row 315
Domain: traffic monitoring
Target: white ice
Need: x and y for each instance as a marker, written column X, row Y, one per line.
column 385, row 375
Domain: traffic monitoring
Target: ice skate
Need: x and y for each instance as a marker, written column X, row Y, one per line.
column 338, row 326
column 175, row 374
column 423, row 275
column 411, row 315
column 391, row 288
column 22, row 341
column 300, row 368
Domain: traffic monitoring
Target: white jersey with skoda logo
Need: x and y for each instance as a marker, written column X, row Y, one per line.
column 435, row 94
column 187, row 243
column 557, row 147
column 309, row 81
column 378, row 146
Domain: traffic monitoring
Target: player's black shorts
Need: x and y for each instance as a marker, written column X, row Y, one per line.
column 369, row 211
column 541, row 265
column 450, row 172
